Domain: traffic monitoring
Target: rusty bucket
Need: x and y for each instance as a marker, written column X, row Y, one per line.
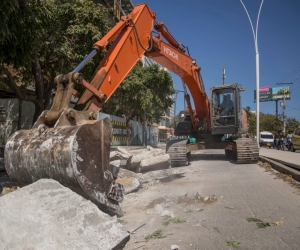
column 76, row 156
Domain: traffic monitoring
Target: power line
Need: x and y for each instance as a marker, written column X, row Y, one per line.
column 290, row 74
column 292, row 108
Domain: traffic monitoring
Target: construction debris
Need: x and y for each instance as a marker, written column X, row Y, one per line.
column 139, row 160
column 154, row 163
column 47, row 215
column 130, row 184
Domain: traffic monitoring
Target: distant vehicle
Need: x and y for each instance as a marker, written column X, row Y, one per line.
column 295, row 143
column 266, row 138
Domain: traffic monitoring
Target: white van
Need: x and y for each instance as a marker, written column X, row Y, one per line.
column 266, row 139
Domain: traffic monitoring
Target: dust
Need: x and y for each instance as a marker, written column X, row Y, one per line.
column 125, row 181
column 196, row 199
column 285, row 177
column 155, row 202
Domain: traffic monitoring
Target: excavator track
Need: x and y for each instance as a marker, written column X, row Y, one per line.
column 177, row 151
column 246, row 151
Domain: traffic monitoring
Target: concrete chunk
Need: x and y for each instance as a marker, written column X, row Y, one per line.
column 123, row 151
column 134, row 161
column 47, row 215
column 137, row 151
column 115, row 167
column 154, row 163
column 130, row 184
column 116, row 155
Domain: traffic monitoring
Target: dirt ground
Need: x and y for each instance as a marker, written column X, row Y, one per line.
column 212, row 206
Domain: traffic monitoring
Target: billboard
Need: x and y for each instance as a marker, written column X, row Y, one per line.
column 271, row 94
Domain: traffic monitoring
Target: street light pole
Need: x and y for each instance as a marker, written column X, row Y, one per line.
column 257, row 65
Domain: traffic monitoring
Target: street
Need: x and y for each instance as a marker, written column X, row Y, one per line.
column 216, row 204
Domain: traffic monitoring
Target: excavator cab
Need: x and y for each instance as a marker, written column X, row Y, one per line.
column 225, row 109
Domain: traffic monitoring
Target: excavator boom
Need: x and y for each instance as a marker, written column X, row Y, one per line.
column 133, row 39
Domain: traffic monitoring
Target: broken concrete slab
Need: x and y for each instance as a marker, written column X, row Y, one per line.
column 124, row 173
column 154, row 163
column 123, row 151
column 115, row 167
column 160, row 174
column 47, row 215
column 136, row 151
column 130, row 184
column 116, row 155
column 134, row 161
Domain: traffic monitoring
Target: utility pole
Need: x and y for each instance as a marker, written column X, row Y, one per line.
column 224, row 76
column 276, row 110
column 284, row 105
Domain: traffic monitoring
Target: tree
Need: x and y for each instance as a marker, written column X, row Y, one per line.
column 143, row 95
column 53, row 37
column 291, row 124
column 20, row 25
column 269, row 122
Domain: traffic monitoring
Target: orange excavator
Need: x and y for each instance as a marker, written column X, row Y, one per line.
column 71, row 146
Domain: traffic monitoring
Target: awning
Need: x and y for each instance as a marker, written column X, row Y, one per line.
column 163, row 128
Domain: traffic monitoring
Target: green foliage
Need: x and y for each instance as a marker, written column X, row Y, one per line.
column 75, row 27
column 263, row 224
column 21, row 23
column 145, row 91
column 175, row 220
column 41, row 39
column 269, row 122
column 291, row 124
column 123, row 222
column 259, row 223
column 253, row 219
column 234, row 244
column 158, row 234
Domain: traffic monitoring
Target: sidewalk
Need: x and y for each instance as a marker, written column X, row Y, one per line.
column 285, row 157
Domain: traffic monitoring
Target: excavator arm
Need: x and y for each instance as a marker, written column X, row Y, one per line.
column 133, row 37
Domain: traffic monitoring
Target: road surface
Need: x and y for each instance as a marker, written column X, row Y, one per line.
column 211, row 204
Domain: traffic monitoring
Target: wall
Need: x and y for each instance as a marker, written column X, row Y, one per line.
column 136, row 131
column 14, row 115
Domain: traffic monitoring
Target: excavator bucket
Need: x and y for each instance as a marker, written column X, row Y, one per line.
column 74, row 151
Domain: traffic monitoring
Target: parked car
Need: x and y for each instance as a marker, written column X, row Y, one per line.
column 266, row 138
column 295, row 142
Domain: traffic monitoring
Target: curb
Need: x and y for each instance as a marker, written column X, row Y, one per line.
column 282, row 168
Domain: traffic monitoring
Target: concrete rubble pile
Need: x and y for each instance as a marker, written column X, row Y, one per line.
column 125, row 164
column 140, row 160
column 54, row 217
column 47, row 215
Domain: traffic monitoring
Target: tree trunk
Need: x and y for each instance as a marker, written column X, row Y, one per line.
column 128, row 139
column 145, row 130
column 39, row 86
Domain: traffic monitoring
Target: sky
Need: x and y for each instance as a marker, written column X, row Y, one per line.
column 218, row 34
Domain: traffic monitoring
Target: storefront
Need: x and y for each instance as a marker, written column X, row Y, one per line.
column 164, row 133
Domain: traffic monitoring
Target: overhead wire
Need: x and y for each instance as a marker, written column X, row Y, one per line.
column 292, row 88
